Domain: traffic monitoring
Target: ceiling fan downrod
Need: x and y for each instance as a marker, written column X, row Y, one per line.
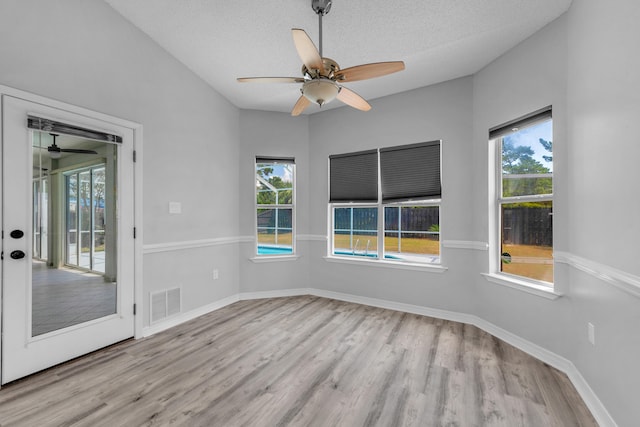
column 321, row 8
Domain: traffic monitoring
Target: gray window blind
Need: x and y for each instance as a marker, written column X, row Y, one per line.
column 354, row 177
column 48, row 125
column 514, row 125
column 282, row 160
column 410, row 172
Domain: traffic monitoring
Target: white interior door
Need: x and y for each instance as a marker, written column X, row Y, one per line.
column 68, row 248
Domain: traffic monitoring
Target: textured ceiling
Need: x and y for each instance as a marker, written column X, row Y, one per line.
column 437, row 39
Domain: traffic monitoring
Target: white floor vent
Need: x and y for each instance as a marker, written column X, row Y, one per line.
column 165, row 304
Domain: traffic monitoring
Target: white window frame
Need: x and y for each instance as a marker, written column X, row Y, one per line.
column 496, row 275
column 422, row 203
column 333, row 207
column 275, row 206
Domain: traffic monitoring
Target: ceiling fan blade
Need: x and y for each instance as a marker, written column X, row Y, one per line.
column 301, row 104
column 307, row 51
column 369, row 71
column 271, row 80
column 77, row 151
column 352, row 99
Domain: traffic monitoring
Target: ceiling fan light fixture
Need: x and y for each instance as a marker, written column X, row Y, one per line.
column 320, row 91
column 322, row 77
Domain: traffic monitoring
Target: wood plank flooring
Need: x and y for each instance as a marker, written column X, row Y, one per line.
column 63, row 297
column 301, row 361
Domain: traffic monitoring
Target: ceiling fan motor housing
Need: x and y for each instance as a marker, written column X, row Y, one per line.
column 330, row 68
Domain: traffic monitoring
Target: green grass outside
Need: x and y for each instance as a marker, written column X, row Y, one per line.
column 426, row 246
column 410, row 245
column 270, row 239
column 532, row 269
column 85, row 249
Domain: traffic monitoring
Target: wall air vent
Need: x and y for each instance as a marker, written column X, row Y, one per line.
column 165, row 303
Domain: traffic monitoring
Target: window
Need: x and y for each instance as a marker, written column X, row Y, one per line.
column 275, row 199
column 385, row 204
column 524, row 203
column 355, row 231
column 86, row 218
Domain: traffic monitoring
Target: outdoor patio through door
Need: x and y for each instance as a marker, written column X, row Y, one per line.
column 86, row 216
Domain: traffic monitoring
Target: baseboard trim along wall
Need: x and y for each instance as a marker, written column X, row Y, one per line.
column 189, row 315
column 592, row 401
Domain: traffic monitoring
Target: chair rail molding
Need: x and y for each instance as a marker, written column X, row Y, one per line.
column 465, row 244
column 194, row 244
column 620, row 279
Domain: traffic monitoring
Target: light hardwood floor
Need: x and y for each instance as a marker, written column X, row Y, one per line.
column 301, row 361
column 63, row 297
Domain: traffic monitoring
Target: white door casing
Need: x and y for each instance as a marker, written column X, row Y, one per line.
column 21, row 353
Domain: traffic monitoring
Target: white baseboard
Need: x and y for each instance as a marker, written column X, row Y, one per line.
column 594, row 404
column 392, row 305
column 275, row 294
column 190, row 315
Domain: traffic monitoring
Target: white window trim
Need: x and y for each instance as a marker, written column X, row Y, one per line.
column 258, row 259
column 380, row 236
column 386, row 263
column 515, row 282
column 274, row 257
column 532, row 286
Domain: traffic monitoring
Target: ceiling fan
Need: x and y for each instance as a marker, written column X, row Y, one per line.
column 322, row 77
column 56, row 152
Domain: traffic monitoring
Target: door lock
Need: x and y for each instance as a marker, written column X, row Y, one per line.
column 16, row 234
column 17, row 254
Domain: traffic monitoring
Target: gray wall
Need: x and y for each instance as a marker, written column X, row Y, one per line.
column 84, row 53
column 529, row 77
column 442, row 112
column 199, row 150
column 277, row 135
column 604, row 108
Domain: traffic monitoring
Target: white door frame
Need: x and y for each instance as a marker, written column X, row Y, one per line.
column 137, row 190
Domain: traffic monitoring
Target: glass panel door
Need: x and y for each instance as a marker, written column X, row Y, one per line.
column 71, row 286
column 72, row 219
column 40, row 215
column 87, row 218
column 84, row 219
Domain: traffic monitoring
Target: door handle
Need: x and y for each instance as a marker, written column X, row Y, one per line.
column 17, row 254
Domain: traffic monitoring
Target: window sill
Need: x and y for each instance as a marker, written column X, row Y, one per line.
column 275, row 258
column 522, row 285
column 430, row 268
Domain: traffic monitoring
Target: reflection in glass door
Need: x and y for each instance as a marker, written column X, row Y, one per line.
column 74, row 231
column 40, row 215
column 86, row 218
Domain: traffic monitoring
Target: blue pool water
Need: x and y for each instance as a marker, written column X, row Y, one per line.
column 279, row 250
column 371, row 255
column 273, row 250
